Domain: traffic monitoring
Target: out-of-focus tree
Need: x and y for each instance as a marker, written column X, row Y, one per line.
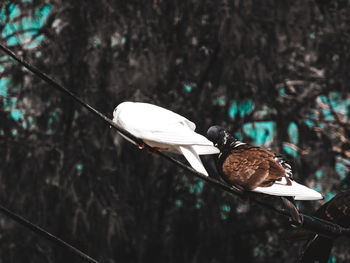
column 274, row 73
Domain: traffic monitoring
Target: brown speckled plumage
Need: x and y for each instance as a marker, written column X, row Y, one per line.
column 248, row 167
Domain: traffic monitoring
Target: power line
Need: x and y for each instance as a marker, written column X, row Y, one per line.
column 45, row 234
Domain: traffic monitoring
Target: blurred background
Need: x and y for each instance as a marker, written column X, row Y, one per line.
column 274, row 73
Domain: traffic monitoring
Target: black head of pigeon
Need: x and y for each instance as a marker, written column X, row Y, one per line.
column 221, row 138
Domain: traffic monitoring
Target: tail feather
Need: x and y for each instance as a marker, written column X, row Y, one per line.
column 193, row 158
column 298, row 191
column 289, row 204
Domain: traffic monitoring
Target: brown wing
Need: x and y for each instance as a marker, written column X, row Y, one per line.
column 249, row 167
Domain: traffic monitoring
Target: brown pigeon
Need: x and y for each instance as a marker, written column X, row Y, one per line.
column 256, row 169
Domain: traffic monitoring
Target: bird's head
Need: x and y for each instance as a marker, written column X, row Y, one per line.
column 220, row 137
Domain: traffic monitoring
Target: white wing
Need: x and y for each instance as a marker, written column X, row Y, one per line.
column 146, row 113
column 193, row 158
column 298, row 191
column 153, row 123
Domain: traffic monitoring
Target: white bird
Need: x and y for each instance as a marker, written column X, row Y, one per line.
column 165, row 130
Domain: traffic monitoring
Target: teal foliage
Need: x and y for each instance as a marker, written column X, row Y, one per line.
column 116, row 39
column 197, row 187
column 293, row 133
column 2, row 15
column 10, row 103
column 219, row 101
column 339, row 105
column 17, row 114
column 328, row 196
column 332, row 259
column 14, row 132
column 243, row 108
column 52, row 117
column 97, row 41
column 31, row 122
column 309, row 123
column 233, row 109
column 4, row 61
column 327, row 114
column 30, row 25
column 178, row 203
column 341, row 169
column 225, row 210
column 282, row 91
column 238, row 136
column 319, row 174
column 14, row 11
column 3, row 86
column 79, row 168
column 258, row 252
column 317, row 188
column 188, row 88
column 260, row 132
column 35, row 43
column 290, row 150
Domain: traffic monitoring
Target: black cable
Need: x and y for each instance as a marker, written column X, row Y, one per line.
column 308, row 221
column 45, row 234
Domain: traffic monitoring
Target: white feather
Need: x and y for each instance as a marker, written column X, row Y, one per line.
column 162, row 128
column 193, row 158
column 298, row 191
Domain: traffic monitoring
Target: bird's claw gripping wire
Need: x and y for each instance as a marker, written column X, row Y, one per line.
column 141, row 146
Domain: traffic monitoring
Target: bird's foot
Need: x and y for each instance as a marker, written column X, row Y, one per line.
column 155, row 149
column 141, row 146
column 290, row 207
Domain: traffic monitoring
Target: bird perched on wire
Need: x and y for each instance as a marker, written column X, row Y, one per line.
column 318, row 248
column 256, row 169
column 164, row 130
